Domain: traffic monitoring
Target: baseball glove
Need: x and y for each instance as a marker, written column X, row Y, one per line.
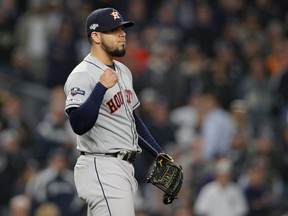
column 166, row 175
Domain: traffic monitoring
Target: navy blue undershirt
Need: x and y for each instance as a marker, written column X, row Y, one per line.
column 83, row 118
column 146, row 140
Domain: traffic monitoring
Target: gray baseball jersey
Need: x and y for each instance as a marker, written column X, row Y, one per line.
column 115, row 128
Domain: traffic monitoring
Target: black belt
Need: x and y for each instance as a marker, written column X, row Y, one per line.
column 128, row 156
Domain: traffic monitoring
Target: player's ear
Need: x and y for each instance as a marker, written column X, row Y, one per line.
column 95, row 36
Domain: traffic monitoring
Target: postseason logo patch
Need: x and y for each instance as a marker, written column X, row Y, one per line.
column 75, row 90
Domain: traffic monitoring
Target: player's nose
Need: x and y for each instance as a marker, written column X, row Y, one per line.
column 122, row 31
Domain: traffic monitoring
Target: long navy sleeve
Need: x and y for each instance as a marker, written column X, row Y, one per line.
column 146, row 140
column 83, row 118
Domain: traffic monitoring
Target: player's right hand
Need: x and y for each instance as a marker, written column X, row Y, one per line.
column 108, row 78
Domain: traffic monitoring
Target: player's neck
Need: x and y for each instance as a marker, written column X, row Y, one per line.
column 103, row 57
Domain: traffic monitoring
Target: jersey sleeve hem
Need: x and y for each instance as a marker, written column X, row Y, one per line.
column 71, row 106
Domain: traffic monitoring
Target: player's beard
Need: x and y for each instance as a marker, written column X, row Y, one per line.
column 116, row 52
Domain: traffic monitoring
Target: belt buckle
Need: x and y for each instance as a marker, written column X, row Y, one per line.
column 129, row 156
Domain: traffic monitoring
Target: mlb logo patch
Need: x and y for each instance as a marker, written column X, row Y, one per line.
column 74, row 100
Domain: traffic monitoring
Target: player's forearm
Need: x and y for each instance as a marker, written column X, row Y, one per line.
column 83, row 118
column 146, row 141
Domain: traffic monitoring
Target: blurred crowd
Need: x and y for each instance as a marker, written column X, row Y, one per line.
column 212, row 79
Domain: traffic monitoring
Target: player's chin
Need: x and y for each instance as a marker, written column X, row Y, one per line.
column 120, row 52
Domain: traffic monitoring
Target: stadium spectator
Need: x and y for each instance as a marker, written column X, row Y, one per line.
column 31, row 34
column 216, row 127
column 256, row 90
column 259, row 196
column 55, row 184
column 13, row 159
column 221, row 196
column 20, row 205
column 53, row 130
column 61, row 54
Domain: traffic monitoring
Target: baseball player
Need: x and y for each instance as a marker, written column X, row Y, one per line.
column 101, row 107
